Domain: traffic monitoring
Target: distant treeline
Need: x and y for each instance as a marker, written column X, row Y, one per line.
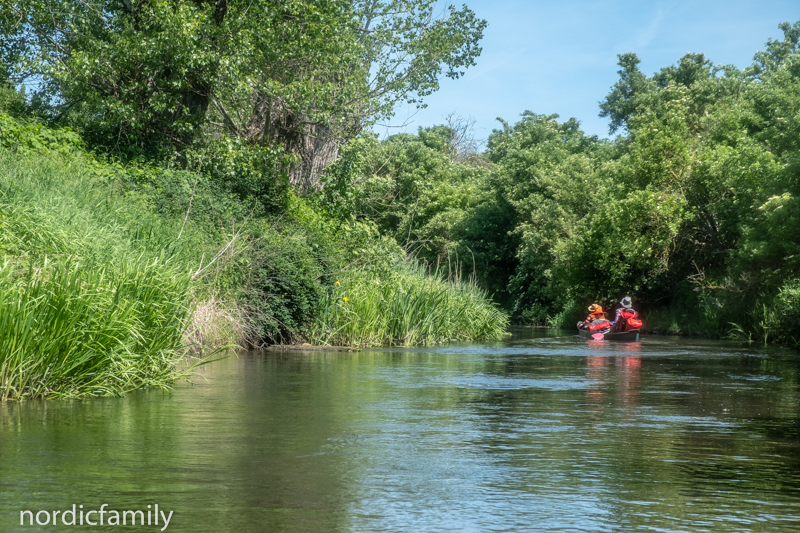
column 692, row 209
column 246, row 125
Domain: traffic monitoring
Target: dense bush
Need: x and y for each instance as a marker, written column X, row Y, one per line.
column 254, row 173
column 785, row 316
column 405, row 305
column 692, row 210
column 292, row 263
column 288, row 270
column 31, row 136
column 12, row 101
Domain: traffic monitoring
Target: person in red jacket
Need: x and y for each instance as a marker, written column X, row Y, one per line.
column 623, row 314
column 595, row 313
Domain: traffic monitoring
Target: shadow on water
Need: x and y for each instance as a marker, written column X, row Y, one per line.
column 540, row 431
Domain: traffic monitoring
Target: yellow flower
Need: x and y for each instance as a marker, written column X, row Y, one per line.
column 346, row 299
column 337, row 282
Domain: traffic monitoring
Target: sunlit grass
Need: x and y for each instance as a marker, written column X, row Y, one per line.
column 408, row 306
column 94, row 299
column 72, row 331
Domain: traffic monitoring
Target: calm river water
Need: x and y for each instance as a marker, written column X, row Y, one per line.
column 540, row 432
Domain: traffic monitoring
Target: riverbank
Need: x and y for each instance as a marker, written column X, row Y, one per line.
column 104, row 289
column 94, row 298
column 306, row 347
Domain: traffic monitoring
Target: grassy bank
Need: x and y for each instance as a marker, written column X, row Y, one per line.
column 404, row 306
column 106, row 284
column 94, row 295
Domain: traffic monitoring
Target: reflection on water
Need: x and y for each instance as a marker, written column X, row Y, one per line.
column 541, row 432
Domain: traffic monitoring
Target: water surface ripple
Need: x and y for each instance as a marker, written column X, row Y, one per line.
column 541, row 432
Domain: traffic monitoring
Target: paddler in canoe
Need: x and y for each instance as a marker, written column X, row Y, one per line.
column 596, row 317
column 626, row 324
column 626, row 319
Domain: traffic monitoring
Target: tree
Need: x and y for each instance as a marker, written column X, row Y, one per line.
column 628, row 95
column 152, row 76
column 777, row 52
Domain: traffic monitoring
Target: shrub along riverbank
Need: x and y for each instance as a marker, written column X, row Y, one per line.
column 105, row 285
column 404, row 305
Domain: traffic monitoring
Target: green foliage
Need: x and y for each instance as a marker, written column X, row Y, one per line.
column 692, row 212
column 548, row 177
column 777, row 52
column 73, row 331
column 623, row 247
column 94, row 295
column 146, row 78
column 12, row 101
column 195, row 211
column 411, row 190
column 34, row 137
column 169, row 192
column 700, row 195
column 487, row 246
column 253, row 173
column 630, row 94
column 770, row 246
column 287, row 271
column 695, row 312
column 404, row 306
column 347, row 189
column 199, row 115
column 292, row 262
column 784, row 315
column 215, row 110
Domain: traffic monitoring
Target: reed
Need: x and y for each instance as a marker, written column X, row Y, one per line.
column 94, row 295
column 72, row 331
column 405, row 306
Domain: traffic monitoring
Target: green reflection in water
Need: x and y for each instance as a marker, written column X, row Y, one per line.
column 540, row 432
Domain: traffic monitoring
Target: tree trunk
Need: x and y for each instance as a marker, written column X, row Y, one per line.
column 315, row 145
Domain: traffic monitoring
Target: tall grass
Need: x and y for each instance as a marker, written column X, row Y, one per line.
column 94, row 295
column 404, row 306
column 71, row 331
column 776, row 319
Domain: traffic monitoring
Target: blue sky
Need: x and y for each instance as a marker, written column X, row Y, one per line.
column 561, row 57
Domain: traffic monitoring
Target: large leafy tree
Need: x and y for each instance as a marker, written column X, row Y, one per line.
column 152, row 76
column 628, row 95
column 546, row 174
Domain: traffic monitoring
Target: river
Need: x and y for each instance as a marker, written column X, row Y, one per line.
column 540, row 432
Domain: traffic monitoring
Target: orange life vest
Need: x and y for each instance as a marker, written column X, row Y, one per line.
column 629, row 320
